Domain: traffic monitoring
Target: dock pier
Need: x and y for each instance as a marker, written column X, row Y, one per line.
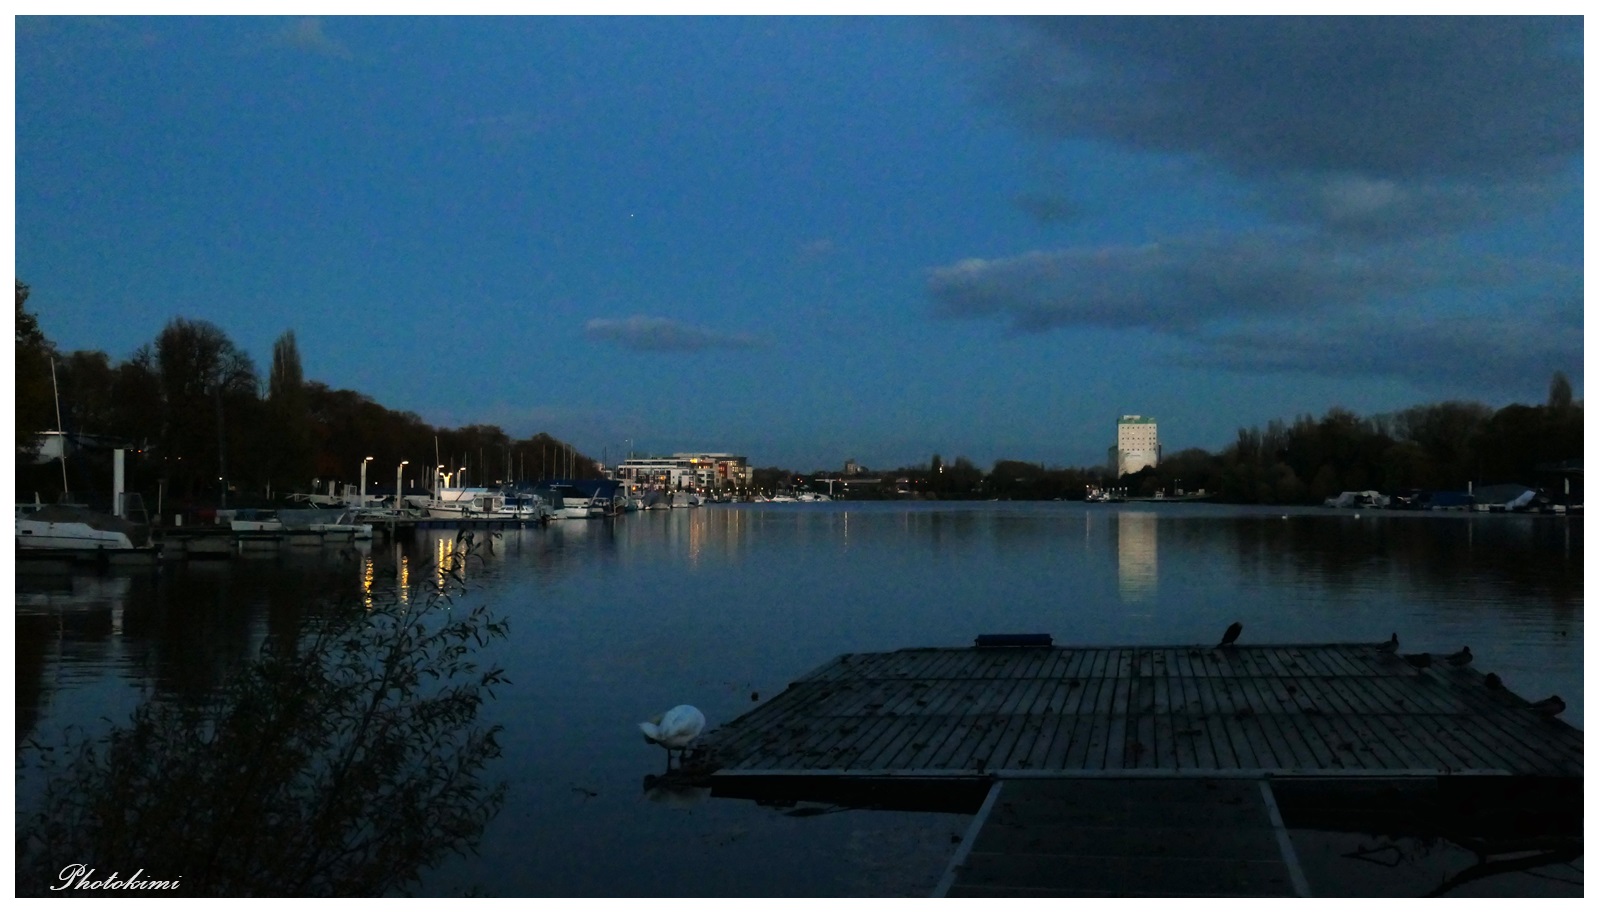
column 1156, row 770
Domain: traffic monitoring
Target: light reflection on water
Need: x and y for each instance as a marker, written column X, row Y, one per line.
column 613, row 621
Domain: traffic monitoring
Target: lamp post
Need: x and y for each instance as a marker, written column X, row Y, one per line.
column 399, row 485
column 363, row 480
column 462, row 475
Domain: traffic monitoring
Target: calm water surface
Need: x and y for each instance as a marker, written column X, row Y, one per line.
column 613, row 621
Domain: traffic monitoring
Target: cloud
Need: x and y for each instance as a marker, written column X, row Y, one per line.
column 1184, row 285
column 1482, row 352
column 1276, row 302
column 661, row 334
column 1394, row 97
column 1380, row 158
column 307, row 35
column 1361, row 123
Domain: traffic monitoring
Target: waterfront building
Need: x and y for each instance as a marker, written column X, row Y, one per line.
column 1137, row 445
column 686, row 471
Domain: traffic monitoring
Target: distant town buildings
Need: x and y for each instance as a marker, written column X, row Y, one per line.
column 1137, row 445
column 685, row 471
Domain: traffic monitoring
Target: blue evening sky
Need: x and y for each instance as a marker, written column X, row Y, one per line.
column 808, row 240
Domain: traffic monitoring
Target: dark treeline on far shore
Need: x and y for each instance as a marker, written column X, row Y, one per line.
column 194, row 410
column 1442, row 447
column 199, row 416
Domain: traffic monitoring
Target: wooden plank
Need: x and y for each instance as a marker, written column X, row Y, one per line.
column 1031, row 750
column 1059, row 710
column 1268, row 713
column 1069, row 747
column 1212, row 719
column 1251, row 718
column 1144, row 747
column 940, row 746
column 965, row 750
column 1511, row 735
column 1168, row 720
column 1074, row 661
column 1243, row 748
column 1041, row 722
column 1280, row 691
column 1019, row 736
column 1485, row 741
column 1300, row 702
column 1475, row 749
column 1116, row 734
column 1099, row 735
column 854, row 731
column 867, row 737
column 1191, row 733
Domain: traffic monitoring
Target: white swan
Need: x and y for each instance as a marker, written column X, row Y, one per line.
column 674, row 729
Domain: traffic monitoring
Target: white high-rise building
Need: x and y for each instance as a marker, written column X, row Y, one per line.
column 1137, row 444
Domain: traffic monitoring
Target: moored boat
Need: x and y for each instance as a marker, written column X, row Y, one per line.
column 69, row 526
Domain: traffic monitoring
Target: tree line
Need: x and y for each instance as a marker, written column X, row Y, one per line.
column 204, row 427
column 1437, row 447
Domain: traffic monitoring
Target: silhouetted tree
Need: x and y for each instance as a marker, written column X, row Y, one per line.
column 344, row 761
column 287, row 455
column 207, row 384
column 35, row 401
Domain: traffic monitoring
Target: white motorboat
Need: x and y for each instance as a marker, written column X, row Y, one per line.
column 484, row 504
column 568, row 502
column 64, row 526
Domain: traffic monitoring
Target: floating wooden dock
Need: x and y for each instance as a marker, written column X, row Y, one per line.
column 1304, row 709
column 1154, row 771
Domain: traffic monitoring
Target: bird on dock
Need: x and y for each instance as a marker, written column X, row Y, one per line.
column 674, row 729
column 1419, row 660
column 1233, row 630
column 1463, row 658
column 1550, row 706
column 1391, row 645
column 1493, row 682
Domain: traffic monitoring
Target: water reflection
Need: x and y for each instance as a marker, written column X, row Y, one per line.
column 1136, row 558
column 614, row 619
column 342, row 760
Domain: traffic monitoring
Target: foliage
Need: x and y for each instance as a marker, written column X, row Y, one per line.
column 195, row 394
column 288, row 454
column 343, row 761
column 35, row 400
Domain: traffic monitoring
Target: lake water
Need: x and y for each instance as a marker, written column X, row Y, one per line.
column 613, row 621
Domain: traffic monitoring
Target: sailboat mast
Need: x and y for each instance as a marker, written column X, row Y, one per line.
column 60, row 430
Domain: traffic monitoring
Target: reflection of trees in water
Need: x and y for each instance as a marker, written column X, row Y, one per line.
column 1519, row 555
column 343, row 761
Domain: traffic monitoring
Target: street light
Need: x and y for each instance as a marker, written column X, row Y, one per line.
column 363, row 480
column 463, row 476
column 399, row 484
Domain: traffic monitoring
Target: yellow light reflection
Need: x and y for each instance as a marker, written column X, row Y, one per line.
column 368, row 575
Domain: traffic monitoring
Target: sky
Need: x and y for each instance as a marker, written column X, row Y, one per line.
column 812, row 240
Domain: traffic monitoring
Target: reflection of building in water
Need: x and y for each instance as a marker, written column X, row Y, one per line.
column 1135, row 555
